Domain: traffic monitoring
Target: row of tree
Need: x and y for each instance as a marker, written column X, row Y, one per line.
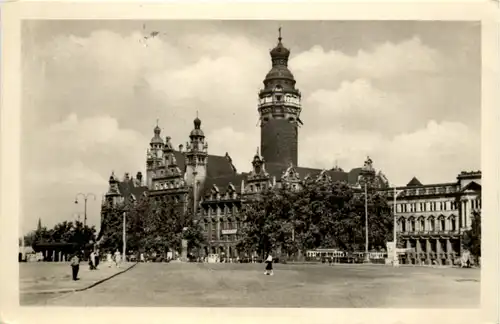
column 151, row 226
column 64, row 232
column 323, row 214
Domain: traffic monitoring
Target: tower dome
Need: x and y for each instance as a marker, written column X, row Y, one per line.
column 197, row 128
column 279, row 73
column 157, row 138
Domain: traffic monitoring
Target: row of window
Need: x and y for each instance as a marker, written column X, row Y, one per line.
column 224, row 237
column 225, row 210
column 431, row 225
column 434, row 206
column 227, row 195
column 227, row 225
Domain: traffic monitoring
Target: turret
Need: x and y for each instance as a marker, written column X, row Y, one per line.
column 196, row 156
column 154, row 156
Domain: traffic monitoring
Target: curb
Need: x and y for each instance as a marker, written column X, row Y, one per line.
column 60, row 291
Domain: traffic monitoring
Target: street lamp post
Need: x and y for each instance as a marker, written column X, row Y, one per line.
column 85, row 198
column 395, row 260
column 124, row 236
column 366, row 223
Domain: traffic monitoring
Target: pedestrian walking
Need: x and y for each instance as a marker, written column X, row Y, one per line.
column 97, row 258
column 269, row 265
column 142, row 257
column 92, row 261
column 109, row 259
column 75, row 266
column 118, row 258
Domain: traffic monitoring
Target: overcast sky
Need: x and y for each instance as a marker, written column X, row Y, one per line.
column 405, row 93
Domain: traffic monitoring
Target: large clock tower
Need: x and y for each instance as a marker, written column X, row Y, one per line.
column 279, row 110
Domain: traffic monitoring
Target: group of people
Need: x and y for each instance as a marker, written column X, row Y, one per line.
column 94, row 260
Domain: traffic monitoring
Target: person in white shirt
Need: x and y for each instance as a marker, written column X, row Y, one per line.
column 109, row 259
column 92, row 260
column 269, row 265
column 118, row 258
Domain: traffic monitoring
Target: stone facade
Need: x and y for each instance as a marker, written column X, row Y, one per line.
column 432, row 218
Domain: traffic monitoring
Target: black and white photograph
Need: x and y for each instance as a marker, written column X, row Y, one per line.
column 243, row 163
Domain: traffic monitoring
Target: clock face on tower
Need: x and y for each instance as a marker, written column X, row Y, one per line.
column 282, row 62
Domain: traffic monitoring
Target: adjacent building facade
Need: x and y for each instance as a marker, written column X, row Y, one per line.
column 432, row 218
column 195, row 180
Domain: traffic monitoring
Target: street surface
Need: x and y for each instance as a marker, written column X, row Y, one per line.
column 46, row 277
column 245, row 285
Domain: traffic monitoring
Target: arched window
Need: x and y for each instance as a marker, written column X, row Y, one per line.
column 402, row 224
column 422, row 224
column 442, row 223
column 412, row 225
column 453, row 223
column 432, row 224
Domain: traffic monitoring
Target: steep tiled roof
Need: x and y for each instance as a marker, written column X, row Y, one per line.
column 128, row 188
column 276, row 170
column 223, row 181
column 353, row 175
column 217, row 165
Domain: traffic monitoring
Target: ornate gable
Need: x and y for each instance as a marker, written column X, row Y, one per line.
column 113, row 190
column 290, row 175
column 258, row 168
column 323, row 176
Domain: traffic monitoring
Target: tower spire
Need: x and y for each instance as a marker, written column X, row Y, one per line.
column 279, row 34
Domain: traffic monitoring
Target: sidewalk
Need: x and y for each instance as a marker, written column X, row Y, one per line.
column 55, row 277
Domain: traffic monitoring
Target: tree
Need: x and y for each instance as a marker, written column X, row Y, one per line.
column 267, row 222
column 151, row 226
column 323, row 214
column 64, row 232
column 194, row 236
column 472, row 237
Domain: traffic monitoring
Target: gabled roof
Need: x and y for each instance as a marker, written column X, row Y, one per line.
column 474, row 186
column 414, row 182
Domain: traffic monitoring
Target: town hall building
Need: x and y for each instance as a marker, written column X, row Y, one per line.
column 194, row 179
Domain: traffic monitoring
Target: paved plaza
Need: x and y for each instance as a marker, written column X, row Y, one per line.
column 54, row 277
column 245, row 285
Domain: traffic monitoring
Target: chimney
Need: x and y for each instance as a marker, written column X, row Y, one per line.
column 126, row 178
column 139, row 178
column 181, row 147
